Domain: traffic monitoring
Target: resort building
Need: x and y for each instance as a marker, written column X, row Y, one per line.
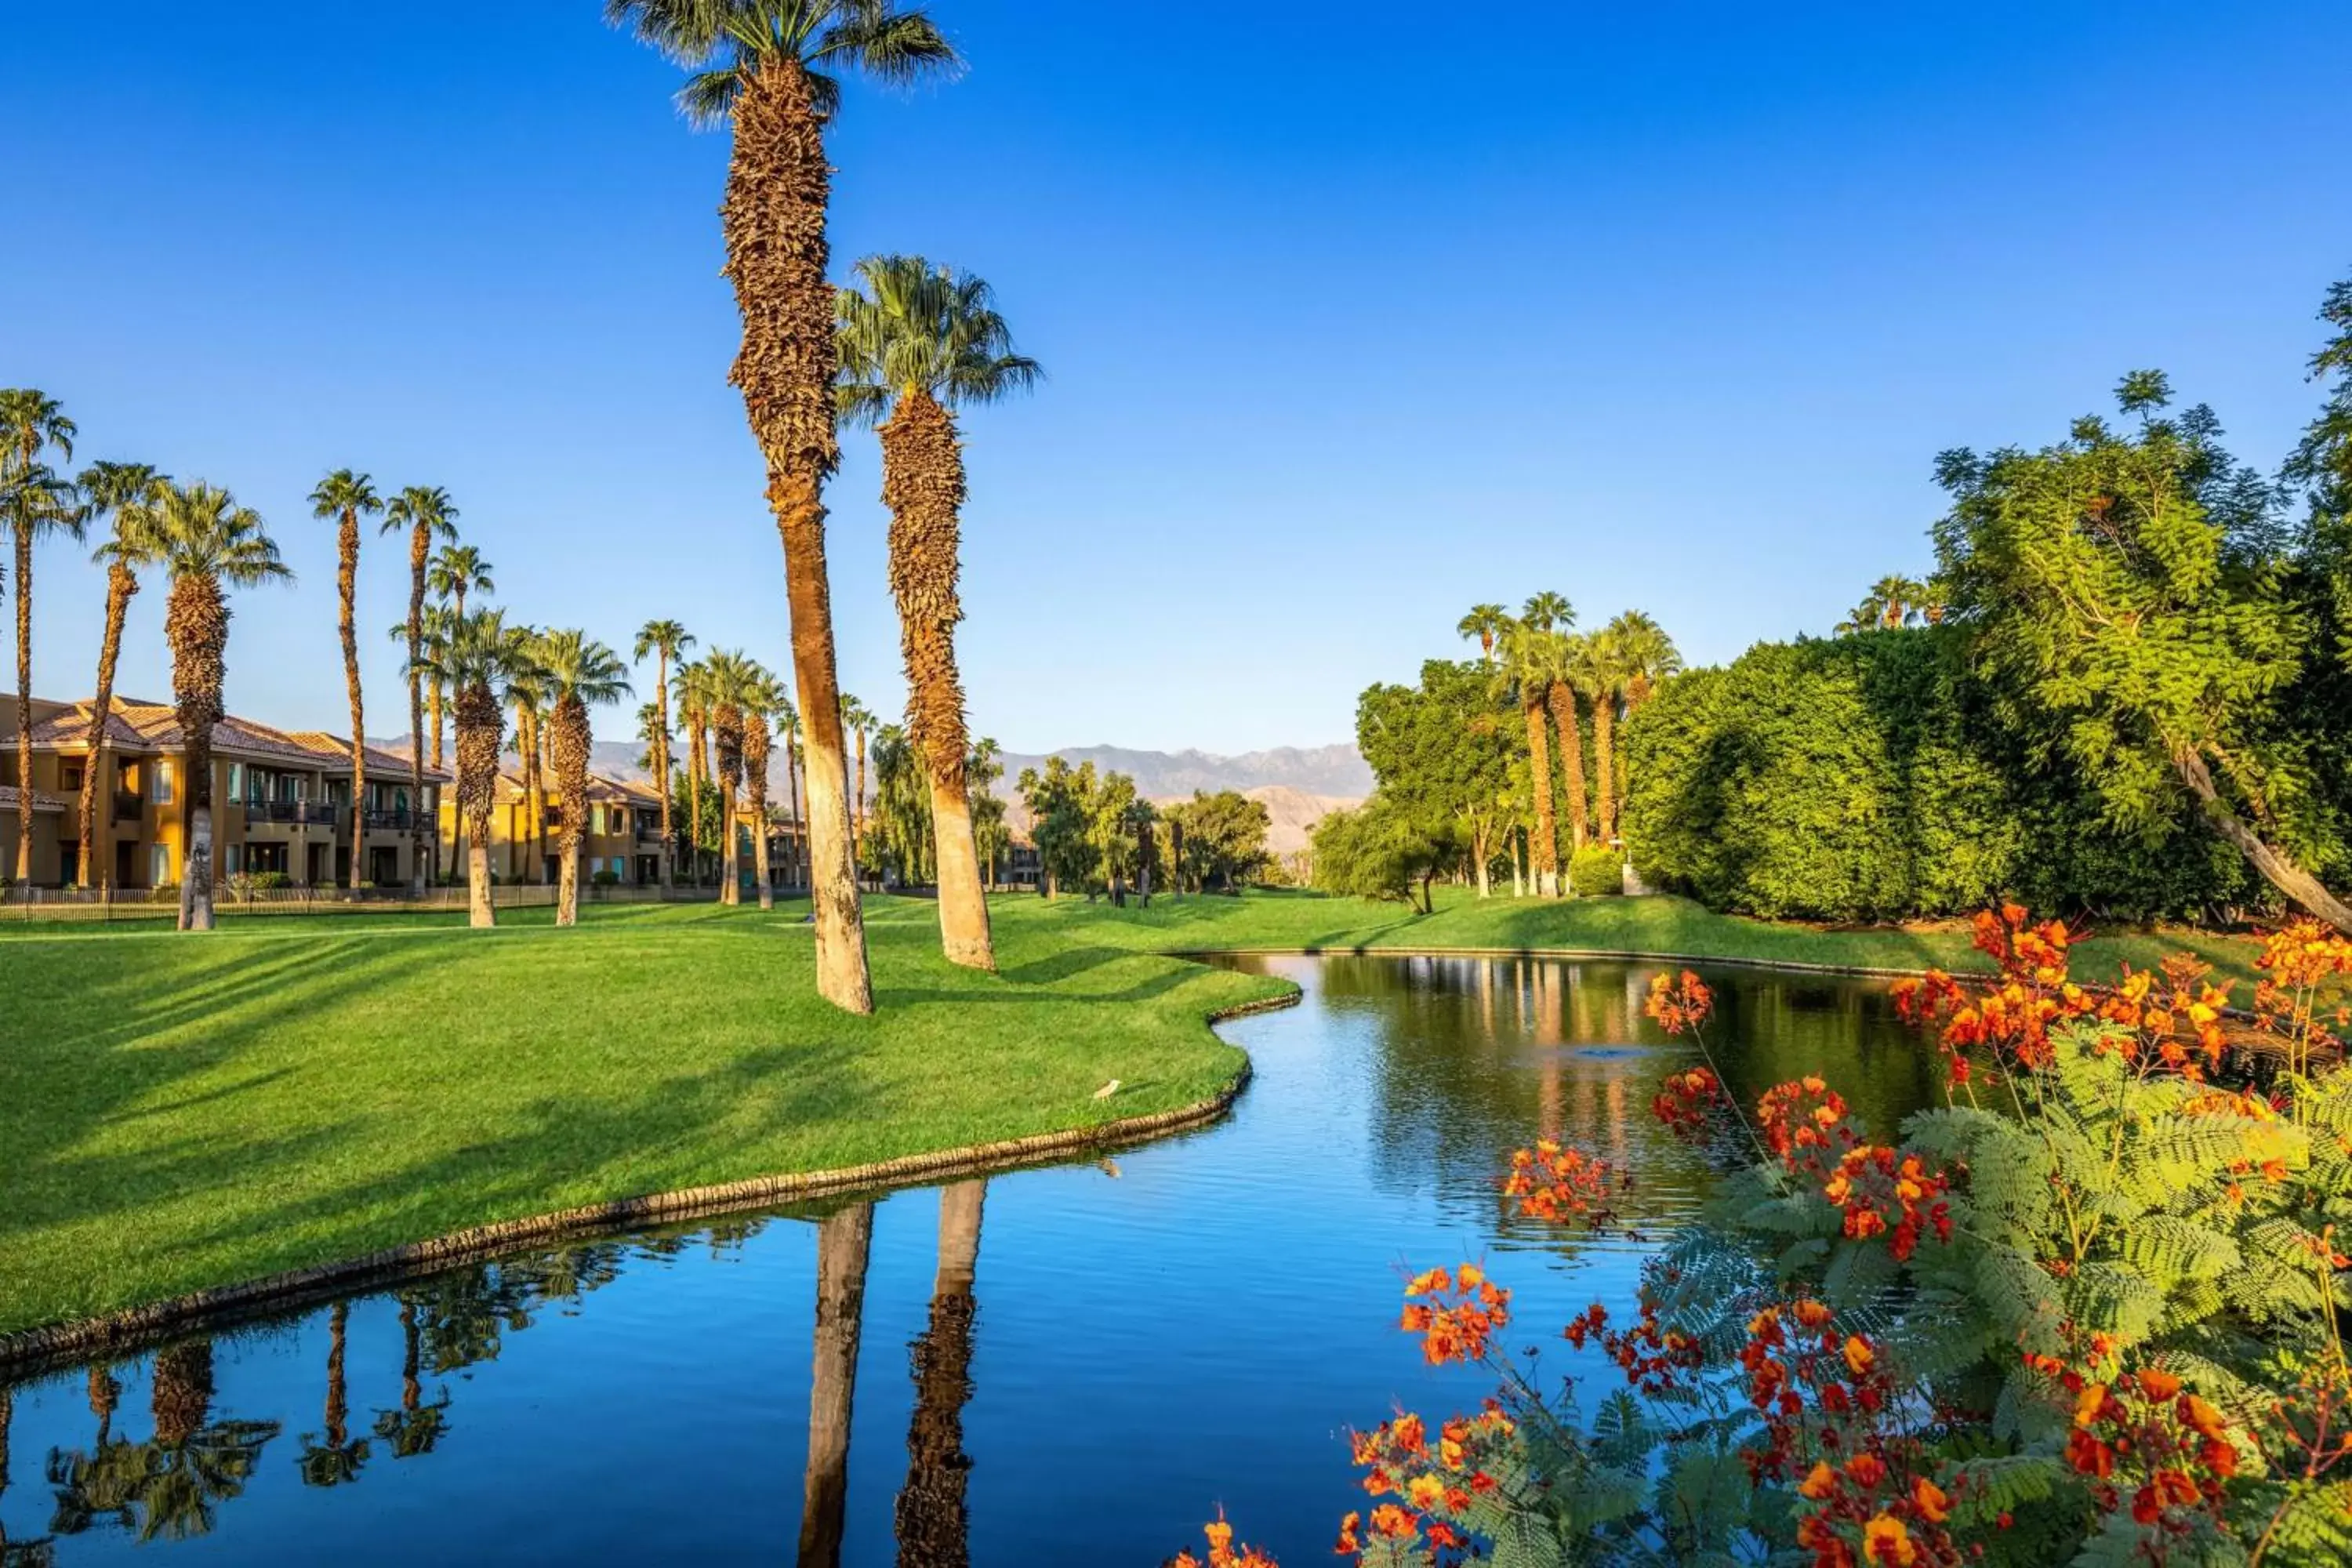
column 623, row 843
column 281, row 801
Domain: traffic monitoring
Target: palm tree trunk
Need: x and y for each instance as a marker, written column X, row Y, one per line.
column 419, row 541
column 661, row 767
column 347, row 572
column 24, row 861
column 845, row 1242
column 778, row 186
column 793, row 783
column 479, row 741
column 1544, row 848
column 570, row 740
column 1562, row 699
column 120, row 584
column 923, row 486
column 1604, row 747
column 694, row 799
column 933, row 1524
column 755, row 783
column 195, row 623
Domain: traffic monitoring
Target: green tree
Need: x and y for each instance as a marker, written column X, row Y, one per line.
column 1485, row 623
column 424, row 513
column 665, row 641
column 207, row 543
column 1381, row 850
column 581, row 673
column 1442, row 754
column 342, row 498
column 761, row 69
column 988, row 832
column 34, row 503
column 1059, row 799
column 477, row 663
column 117, row 491
column 2120, row 598
column 1529, row 653
column 919, row 341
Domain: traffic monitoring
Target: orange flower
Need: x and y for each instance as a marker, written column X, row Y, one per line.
column 1819, row 1483
column 1392, row 1521
column 1868, row 1469
column 1425, row 1492
column 1933, row 1501
column 1858, row 1355
column 2201, row 1417
column 1886, row 1541
column 2158, row 1384
column 1349, row 1542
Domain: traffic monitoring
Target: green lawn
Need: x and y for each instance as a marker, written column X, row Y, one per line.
column 177, row 1112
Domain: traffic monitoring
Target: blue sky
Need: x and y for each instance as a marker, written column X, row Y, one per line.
column 1350, row 320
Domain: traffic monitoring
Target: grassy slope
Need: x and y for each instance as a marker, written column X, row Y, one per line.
column 181, row 1112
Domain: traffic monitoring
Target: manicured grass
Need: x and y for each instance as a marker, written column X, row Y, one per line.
column 179, row 1112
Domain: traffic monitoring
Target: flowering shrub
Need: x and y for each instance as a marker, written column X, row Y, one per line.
column 2086, row 1312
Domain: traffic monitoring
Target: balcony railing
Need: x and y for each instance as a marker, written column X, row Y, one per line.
column 128, row 807
column 398, row 819
column 649, row 832
column 294, row 812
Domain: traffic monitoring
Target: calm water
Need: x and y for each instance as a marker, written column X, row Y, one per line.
column 1075, row 1364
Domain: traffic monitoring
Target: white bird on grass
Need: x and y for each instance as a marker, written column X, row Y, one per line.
column 1106, row 1090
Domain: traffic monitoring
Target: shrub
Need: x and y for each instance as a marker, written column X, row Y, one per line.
column 271, row 881
column 163, row 893
column 1596, row 871
column 603, row 879
column 2089, row 1311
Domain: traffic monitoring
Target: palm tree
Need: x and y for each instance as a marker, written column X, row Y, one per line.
column 454, row 571
column 1895, row 597
column 933, row 1524
column 733, row 682
column 1486, row 623
column 1650, row 656
column 344, row 496
column 206, row 542
column 988, row 830
column 1525, row 669
column 580, row 672
column 426, row 512
column 694, row 711
column 1550, row 660
column 664, row 640
column 115, row 490
column 764, row 704
column 338, row 1457
column 1598, row 670
column 761, row 66
column 845, row 1242
column 36, row 502
column 477, row 663
column 433, row 640
column 788, row 734
column 858, row 719
column 918, row 342
column 527, row 688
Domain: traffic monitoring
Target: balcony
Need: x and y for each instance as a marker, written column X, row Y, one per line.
column 293, row 812
column 398, row 819
column 128, row 806
column 649, row 832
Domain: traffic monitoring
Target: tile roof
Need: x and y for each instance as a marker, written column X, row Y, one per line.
column 137, row 726
column 9, row 799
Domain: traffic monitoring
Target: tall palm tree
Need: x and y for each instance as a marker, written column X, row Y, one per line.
column 206, row 542
column 117, row 491
column 433, row 640
column 693, row 684
column 427, row 514
column 1485, row 623
column 527, row 688
column 1525, row 669
column 581, row 673
column 337, row 1458
column 859, row 720
column 845, row 1241
column 454, row 571
column 733, row 685
column 664, row 640
column 36, row 503
column 761, row 66
column 1598, row 671
column 1650, row 656
column 788, row 736
column 344, row 497
column 917, row 343
column 764, row 704
column 476, row 662
column 933, row 1524
column 1552, row 657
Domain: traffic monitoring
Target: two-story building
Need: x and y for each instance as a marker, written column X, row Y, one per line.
column 623, row 840
column 281, row 800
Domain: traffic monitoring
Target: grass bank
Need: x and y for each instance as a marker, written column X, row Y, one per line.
column 182, row 1113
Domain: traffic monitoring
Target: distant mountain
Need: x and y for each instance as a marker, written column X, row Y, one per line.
column 1299, row 785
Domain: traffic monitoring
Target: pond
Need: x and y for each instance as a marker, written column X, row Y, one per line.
column 1077, row 1363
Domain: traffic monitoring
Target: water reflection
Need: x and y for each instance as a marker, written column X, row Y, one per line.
column 1196, row 1333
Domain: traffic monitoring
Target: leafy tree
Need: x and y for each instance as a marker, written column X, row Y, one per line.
column 1057, row 798
column 666, row 641
column 1442, row 751
column 989, row 831
column 1223, row 838
column 1381, row 850
column 2123, row 597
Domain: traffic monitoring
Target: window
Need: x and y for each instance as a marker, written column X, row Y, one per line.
column 164, row 771
column 69, row 778
column 232, row 859
column 236, row 781
column 159, row 864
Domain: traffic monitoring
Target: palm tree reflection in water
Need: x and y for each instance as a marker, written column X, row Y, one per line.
column 934, row 1527
column 844, row 1243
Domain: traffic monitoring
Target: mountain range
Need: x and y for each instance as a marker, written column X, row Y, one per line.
column 1298, row 785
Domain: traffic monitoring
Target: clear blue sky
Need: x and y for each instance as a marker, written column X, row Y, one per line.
column 1351, row 319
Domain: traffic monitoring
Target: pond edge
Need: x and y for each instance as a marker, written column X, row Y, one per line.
column 136, row 1327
